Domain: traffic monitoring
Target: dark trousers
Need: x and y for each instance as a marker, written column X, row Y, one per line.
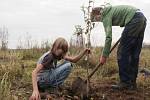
column 130, row 47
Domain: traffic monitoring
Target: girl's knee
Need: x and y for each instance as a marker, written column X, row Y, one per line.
column 68, row 65
column 67, row 62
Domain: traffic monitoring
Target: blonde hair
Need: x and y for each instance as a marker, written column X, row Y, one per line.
column 60, row 43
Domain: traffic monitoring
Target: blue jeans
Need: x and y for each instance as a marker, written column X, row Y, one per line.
column 54, row 77
column 130, row 47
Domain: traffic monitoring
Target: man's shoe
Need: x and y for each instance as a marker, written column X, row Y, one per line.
column 132, row 87
column 121, row 86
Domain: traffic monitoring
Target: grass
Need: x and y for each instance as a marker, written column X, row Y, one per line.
column 16, row 67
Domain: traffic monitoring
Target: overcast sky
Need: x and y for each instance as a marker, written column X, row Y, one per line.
column 49, row 19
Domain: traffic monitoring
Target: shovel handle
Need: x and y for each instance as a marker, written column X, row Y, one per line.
column 99, row 64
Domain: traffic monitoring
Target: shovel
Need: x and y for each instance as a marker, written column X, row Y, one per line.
column 79, row 86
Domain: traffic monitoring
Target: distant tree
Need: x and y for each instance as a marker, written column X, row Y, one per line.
column 28, row 41
column 3, row 38
column 20, row 42
column 78, row 40
column 46, row 45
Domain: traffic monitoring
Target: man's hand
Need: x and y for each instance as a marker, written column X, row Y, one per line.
column 35, row 96
column 103, row 60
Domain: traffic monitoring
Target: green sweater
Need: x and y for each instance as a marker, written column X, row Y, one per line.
column 115, row 16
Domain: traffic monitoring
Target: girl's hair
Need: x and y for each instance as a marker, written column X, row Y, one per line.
column 60, row 43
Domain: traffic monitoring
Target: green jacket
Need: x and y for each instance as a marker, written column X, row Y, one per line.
column 115, row 16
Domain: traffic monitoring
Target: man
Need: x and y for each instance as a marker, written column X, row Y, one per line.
column 131, row 39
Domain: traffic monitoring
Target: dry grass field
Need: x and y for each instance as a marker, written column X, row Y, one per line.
column 16, row 67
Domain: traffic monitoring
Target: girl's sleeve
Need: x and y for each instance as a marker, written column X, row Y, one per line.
column 46, row 62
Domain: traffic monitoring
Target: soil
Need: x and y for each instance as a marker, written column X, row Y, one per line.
column 99, row 91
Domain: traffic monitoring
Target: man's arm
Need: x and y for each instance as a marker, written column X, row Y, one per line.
column 108, row 31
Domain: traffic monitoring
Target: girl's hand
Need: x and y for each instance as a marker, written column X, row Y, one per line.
column 35, row 96
column 87, row 51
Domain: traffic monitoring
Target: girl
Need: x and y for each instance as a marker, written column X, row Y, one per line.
column 47, row 73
